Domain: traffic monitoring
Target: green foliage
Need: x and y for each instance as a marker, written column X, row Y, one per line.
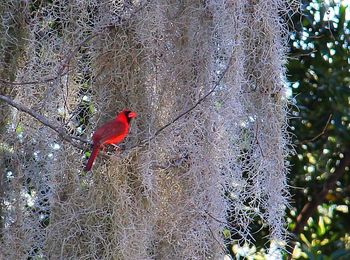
column 320, row 79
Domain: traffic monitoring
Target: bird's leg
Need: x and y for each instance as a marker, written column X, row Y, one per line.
column 116, row 148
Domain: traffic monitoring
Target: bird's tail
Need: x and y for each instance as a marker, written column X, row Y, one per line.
column 92, row 158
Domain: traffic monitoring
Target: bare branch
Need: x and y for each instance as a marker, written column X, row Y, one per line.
column 320, row 134
column 216, row 84
column 61, row 132
column 28, row 82
column 257, row 140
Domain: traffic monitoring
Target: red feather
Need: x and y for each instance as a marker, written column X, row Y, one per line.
column 112, row 132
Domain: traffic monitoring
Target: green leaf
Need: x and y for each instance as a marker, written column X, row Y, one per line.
column 321, row 227
column 227, row 233
column 19, row 129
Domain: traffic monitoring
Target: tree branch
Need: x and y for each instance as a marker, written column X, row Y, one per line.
column 61, row 131
column 310, row 207
column 216, row 84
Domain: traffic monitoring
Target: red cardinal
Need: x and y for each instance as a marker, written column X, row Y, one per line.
column 112, row 132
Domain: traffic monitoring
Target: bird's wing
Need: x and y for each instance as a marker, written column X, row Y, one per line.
column 111, row 132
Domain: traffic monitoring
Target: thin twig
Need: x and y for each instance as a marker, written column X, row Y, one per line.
column 257, row 140
column 61, row 132
column 225, row 250
column 217, row 83
column 320, row 134
column 29, row 82
column 216, row 219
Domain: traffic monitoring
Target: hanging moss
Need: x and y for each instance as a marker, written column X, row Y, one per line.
column 191, row 188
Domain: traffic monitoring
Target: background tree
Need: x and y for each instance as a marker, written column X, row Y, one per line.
column 319, row 73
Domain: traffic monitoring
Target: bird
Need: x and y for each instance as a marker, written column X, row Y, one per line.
column 112, row 132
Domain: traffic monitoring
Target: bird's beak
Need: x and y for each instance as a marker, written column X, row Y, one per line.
column 132, row 115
